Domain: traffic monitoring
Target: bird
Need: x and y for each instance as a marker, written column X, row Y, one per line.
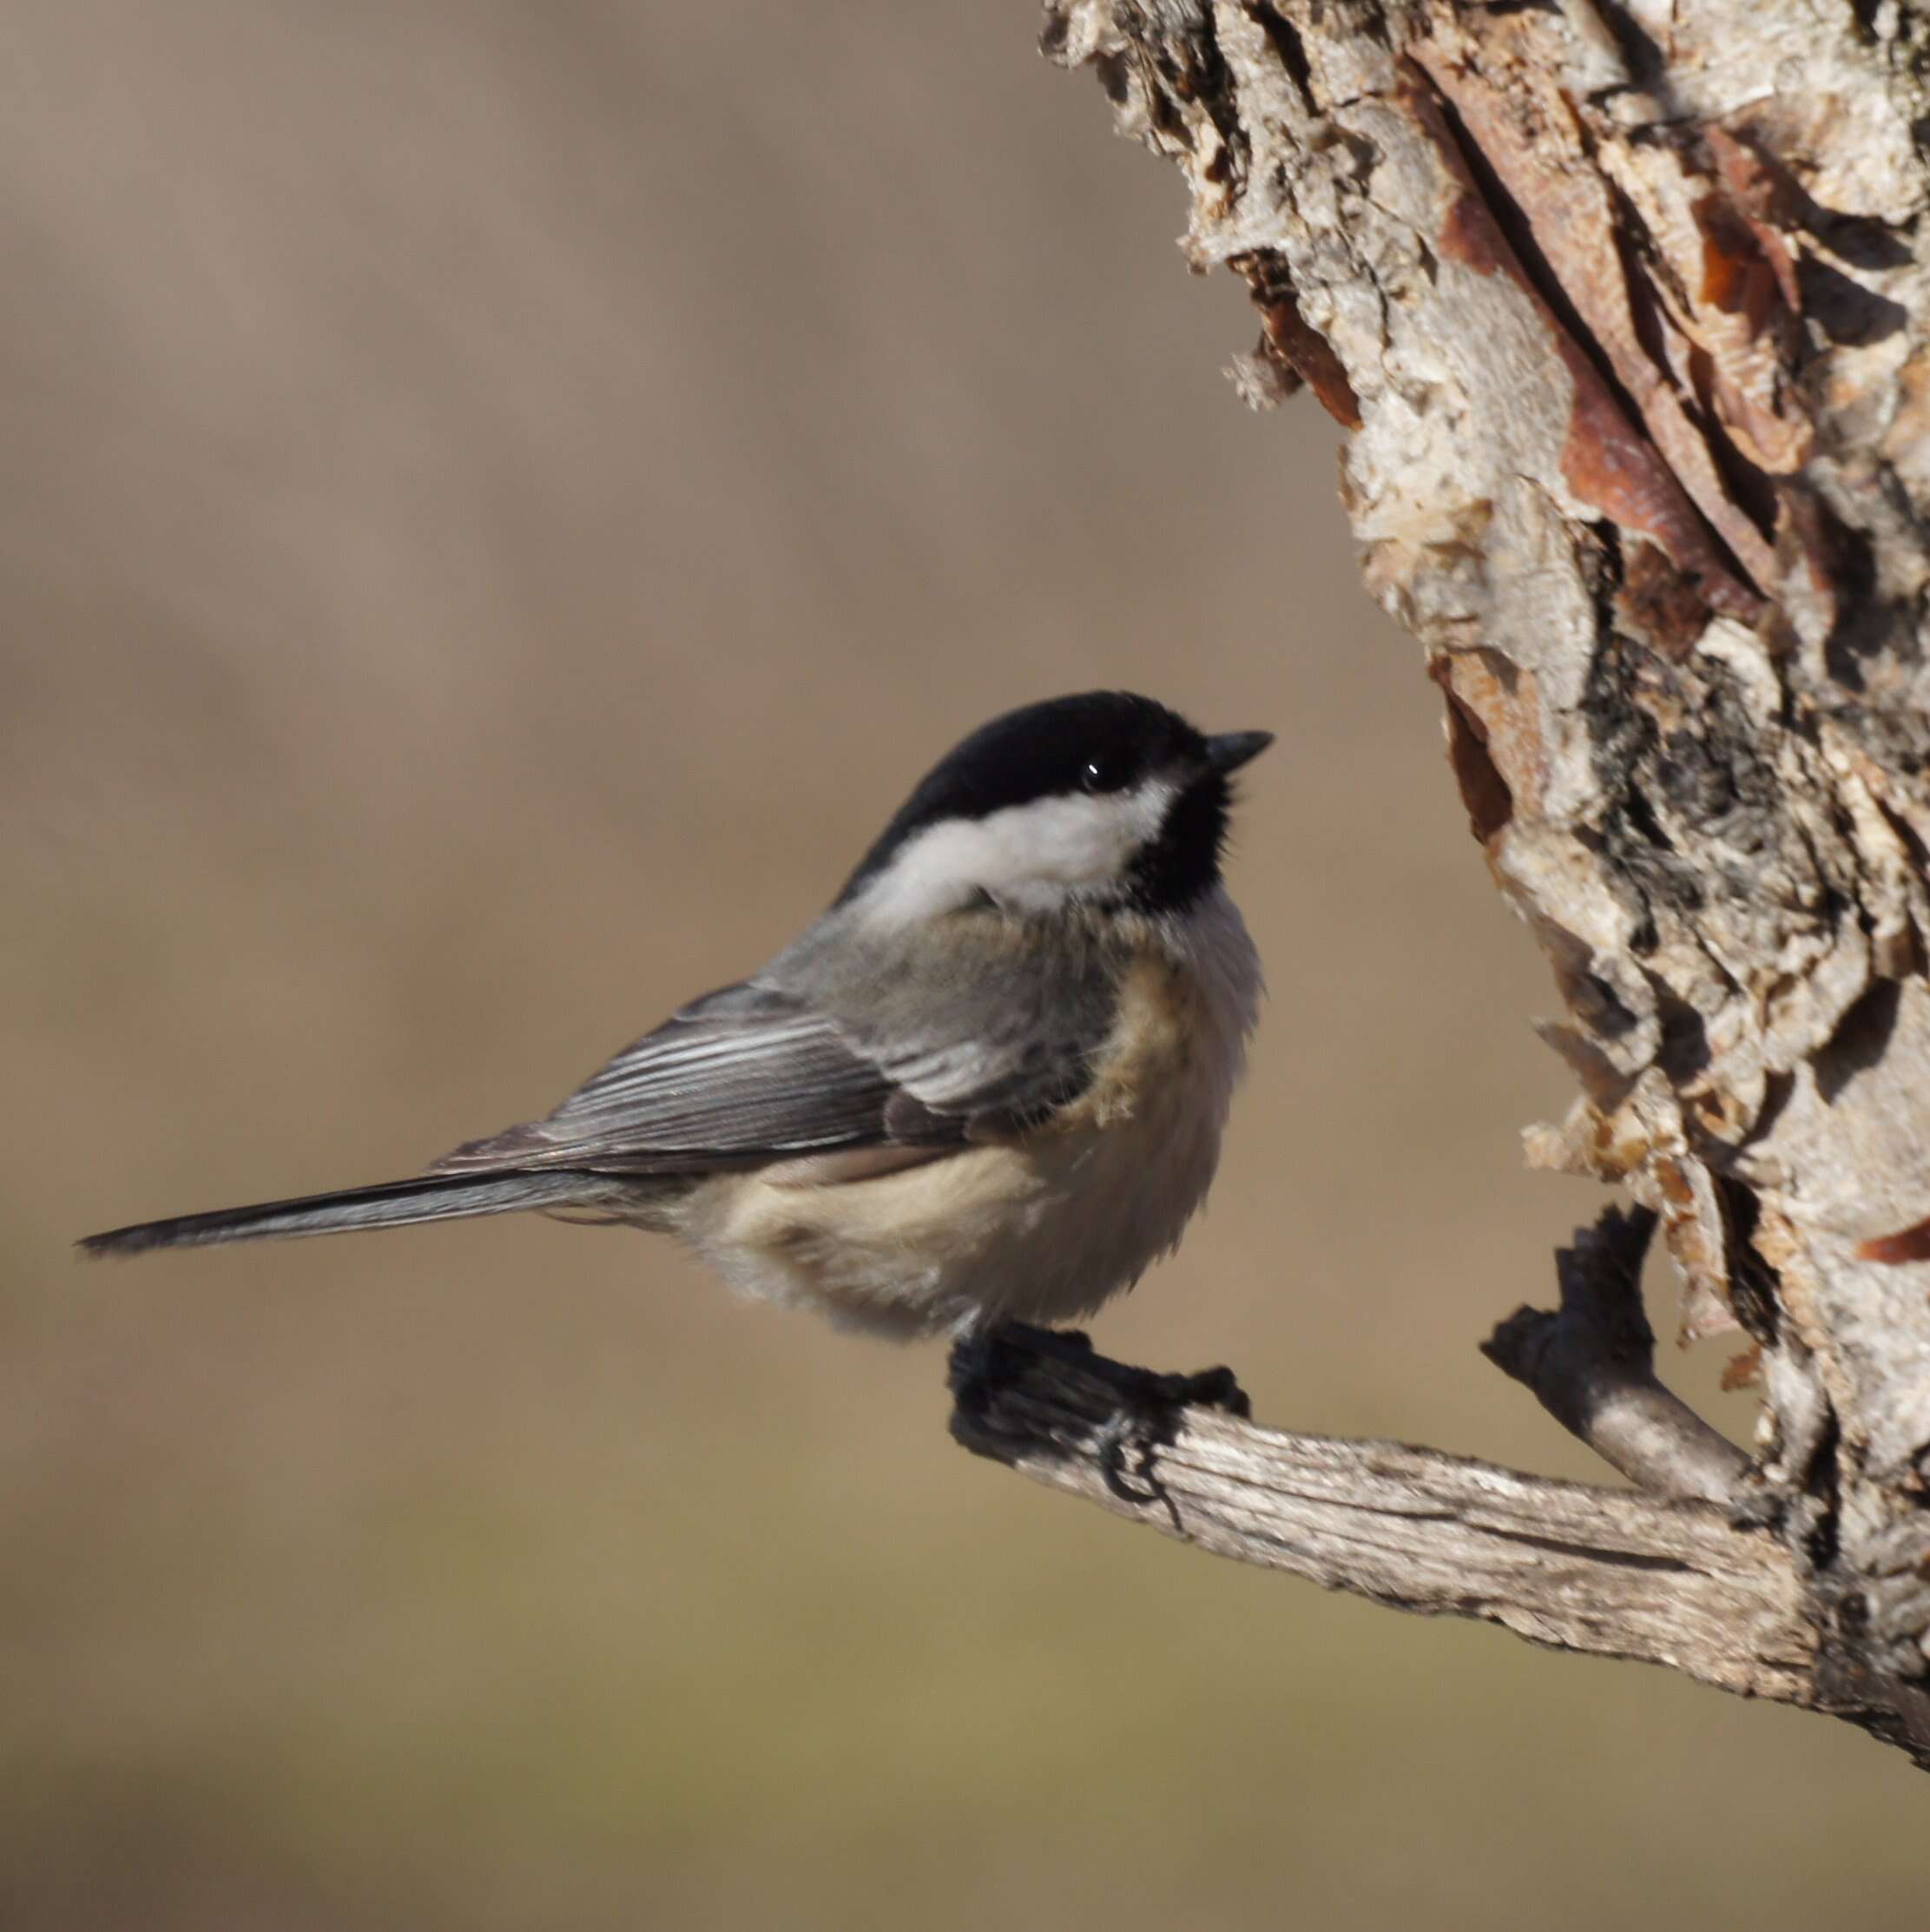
column 988, row 1084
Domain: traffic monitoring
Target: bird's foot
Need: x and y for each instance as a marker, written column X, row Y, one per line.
column 1147, row 1415
column 1143, row 1408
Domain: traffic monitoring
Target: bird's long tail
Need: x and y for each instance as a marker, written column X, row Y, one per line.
column 392, row 1204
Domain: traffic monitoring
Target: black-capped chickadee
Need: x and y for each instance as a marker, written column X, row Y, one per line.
column 988, row 1083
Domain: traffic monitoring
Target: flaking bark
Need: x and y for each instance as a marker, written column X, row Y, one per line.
column 1624, row 312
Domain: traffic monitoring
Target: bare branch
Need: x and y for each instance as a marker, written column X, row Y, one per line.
column 1607, row 1572
column 1591, row 1366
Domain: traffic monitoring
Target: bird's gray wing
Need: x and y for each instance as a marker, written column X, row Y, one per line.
column 744, row 1075
column 906, row 1047
column 984, row 1034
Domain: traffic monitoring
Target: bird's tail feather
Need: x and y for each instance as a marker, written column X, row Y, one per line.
column 392, row 1204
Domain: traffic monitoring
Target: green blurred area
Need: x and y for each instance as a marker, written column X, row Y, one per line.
column 498, row 502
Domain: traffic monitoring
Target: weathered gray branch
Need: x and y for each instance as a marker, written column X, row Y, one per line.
column 1608, row 1572
column 1624, row 309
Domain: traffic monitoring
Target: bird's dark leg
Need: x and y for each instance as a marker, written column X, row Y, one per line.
column 985, row 1355
column 988, row 1358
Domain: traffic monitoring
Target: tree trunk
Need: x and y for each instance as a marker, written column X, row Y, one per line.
column 1626, row 311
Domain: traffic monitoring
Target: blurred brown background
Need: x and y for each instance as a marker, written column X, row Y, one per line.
column 499, row 501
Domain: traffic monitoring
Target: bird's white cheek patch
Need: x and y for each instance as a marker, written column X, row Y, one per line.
column 1029, row 857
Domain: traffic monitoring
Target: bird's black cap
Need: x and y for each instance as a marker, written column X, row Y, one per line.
column 1092, row 741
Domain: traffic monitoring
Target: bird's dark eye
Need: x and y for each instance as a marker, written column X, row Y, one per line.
column 1109, row 772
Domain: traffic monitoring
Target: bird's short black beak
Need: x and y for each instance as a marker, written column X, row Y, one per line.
column 1230, row 749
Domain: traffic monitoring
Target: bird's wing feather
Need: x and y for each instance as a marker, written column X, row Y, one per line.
column 837, row 1048
column 744, row 1075
column 780, row 1066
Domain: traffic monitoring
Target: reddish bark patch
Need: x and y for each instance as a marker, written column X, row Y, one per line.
column 1909, row 1244
column 1760, row 200
column 1609, row 463
column 1471, row 754
column 1658, row 604
column 1484, row 791
column 1469, row 235
column 1741, row 276
column 1745, row 1370
column 1606, row 459
column 1296, row 341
